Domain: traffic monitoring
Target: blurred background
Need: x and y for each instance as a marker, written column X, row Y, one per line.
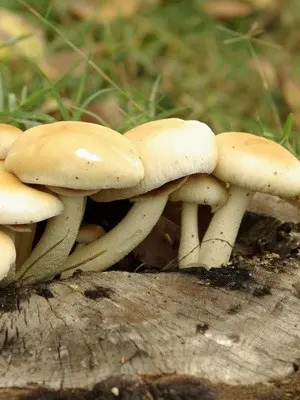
column 234, row 64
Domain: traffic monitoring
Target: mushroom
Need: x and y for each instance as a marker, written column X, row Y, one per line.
column 23, row 239
column 8, row 254
column 170, row 149
column 248, row 163
column 75, row 156
column 20, row 204
column 198, row 189
column 88, row 233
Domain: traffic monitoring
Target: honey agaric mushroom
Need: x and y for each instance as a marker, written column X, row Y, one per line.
column 198, row 189
column 170, row 149
column 248, row 163
column 72, row 155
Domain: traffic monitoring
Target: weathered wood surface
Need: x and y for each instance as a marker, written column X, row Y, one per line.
column 150, row 324
column 238, row 326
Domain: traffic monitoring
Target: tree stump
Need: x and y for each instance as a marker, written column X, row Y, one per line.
column 229, row 333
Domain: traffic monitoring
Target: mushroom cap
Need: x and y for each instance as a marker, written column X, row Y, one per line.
column 21, row 204
column 258, row 164
column 75, row 155
column 88, row 233
column 169, row 149
column 202, row 189
column 8, row 254
column 8, row 135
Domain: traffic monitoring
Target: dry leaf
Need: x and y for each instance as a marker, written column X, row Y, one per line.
column 274, row 207
column 266, row 70
column 291, row 93
column 108, row 110
column 105, row 11
column 50, row 106
column 14, row 27
column 60, row 63
column 226, row 9
column 263, row 4
column 160, row 246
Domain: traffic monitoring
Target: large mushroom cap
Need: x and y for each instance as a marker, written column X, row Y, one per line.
column 76, row 155
column 169, row 149
column 8, row 135
column 20, row 204
column 257, row 163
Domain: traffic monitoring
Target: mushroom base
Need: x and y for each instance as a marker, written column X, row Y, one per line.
column 56, row 243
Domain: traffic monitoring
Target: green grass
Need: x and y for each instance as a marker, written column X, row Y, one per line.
column 166, row 60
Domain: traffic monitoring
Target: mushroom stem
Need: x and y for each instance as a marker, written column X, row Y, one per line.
column 24, row 241
column 121, row 240
column 188, row 252
column 8, row 249
column 218, row 241
column 56, row 243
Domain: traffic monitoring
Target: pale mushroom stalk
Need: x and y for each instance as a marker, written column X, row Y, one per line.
column 126, row 236
column 218, row 241
column 121, row 240
column 188, row 252
column 8, row 257
column 24, row 241
column 56, row 243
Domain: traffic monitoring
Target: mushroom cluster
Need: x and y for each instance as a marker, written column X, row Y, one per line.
column 48, row 171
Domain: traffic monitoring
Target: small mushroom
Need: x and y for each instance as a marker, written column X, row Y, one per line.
column 198, row 189
column 248, row 163
column 170, row 149
column 88, row 233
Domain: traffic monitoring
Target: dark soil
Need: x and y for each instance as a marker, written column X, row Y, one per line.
column 11, row 297
column 165, row 388
column 98, row 292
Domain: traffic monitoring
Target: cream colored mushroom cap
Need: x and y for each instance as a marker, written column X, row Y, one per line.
column 257, row 163
column 8, row 254
column 169, row 149
column 75, row 155
column 21, row 204
column 8, row 135
column 202, row 189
